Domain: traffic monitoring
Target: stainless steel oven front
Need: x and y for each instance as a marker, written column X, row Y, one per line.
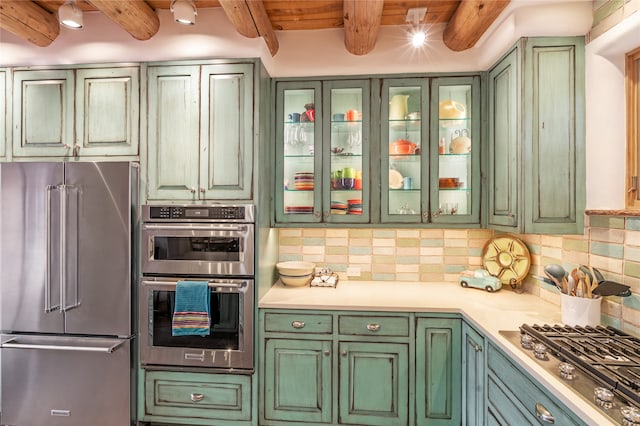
column 229, row 344
column 207, row 240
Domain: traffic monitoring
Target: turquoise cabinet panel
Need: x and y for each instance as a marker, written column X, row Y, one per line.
column 404, row 173
column 512, row 395
column 536, row 138
column 43, row 112
column 197, row 398
column 226, row 132
column 373, row 383
column 107, row 111
column 297, row 380
column 323, row 151
column 200, row 132
column 473, row 376
column 76, row 112
column 554, row 136
column 455, row 164
column 4, row 127
column 504, row 175
column 173, row 132
column 438, row 379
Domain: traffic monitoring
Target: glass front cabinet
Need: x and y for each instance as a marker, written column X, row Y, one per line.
column 323, row 152
column 394, row 150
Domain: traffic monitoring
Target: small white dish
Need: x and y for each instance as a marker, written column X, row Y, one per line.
column 395, row 179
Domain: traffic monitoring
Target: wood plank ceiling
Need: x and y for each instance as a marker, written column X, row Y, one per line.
column 36, row 21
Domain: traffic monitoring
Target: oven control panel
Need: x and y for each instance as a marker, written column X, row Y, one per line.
column 197, row 213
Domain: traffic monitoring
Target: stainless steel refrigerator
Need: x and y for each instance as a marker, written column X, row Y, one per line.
column 66, row 272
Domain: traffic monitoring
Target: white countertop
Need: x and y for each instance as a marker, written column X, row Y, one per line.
column 488, row 312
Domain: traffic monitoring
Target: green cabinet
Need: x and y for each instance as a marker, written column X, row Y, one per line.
column 323, row 151
column 200, row 132
column 430, row 150
column 473, row 376
column 192, row 398
column 438, row 381
column 76, row 112
column 327, row 167
column 536, row 141
column 513, row 397
column 346, row 368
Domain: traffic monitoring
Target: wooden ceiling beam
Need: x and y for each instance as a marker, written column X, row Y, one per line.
column 361, row 25
column 470, row 20
column 29, row 21
column 135, row 16
column 250, row 19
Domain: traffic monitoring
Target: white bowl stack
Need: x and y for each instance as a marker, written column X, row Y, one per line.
column 296, row 273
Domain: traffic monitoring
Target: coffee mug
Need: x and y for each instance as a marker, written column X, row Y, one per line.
column 295, row 117
column 353, row 115
column 349, row 172
column 407, row 182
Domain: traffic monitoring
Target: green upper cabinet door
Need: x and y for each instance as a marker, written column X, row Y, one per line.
column 107, row 111
column 76, row 112
column 438, row 380
column 200, row 132
column 455, row 145
column 173, row 132
column 323, row 151
column 43, row 113
column 373, row 383
column 404, row 152
column 536, row 130
column 4, row 130
column 504, row 144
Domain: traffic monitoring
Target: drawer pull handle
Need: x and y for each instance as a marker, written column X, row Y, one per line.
column 297, row 324
column 373, row 327
column 544, row 414
column 197, row 397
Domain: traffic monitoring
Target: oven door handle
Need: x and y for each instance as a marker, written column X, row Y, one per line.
column 242, row 284
column 196, row 227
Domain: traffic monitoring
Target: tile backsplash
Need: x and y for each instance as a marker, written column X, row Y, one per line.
column 610, row 243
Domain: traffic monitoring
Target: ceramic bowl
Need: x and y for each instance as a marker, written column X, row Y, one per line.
column 295, row 281
column 402, row 146
column 295, row 268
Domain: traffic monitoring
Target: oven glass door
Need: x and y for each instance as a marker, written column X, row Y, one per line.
column 198, row 249
column 230, row 340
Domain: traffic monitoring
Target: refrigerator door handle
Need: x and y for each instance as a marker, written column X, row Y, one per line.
column 108, row 348
column 69, row 247
column 48, row 307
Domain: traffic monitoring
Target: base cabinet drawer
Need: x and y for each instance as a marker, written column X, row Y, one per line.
column 197, row 398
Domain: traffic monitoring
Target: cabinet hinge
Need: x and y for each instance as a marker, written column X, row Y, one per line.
column 634, row 185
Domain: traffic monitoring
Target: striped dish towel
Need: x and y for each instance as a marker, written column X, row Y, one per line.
column 191, row 315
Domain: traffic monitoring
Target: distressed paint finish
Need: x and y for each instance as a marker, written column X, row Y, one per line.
column 173, row 113
column 43, row 112
column 438, row 380
column 504, row 142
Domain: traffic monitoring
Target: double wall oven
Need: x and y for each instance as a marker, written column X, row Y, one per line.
column 212, row 243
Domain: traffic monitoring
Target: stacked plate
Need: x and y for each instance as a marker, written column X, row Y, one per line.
column 354, row 206
column 298, row 209
column 339, row 207
column 303, row 181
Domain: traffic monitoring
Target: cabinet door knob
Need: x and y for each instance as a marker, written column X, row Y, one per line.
column 327, row 352
column 192, row 190
column 544, row 414
column 373, row 327
column 477, row 348
column 197, row 397
column 297, row 324
column 344, row 353
column 76, row 150
column 202, row 190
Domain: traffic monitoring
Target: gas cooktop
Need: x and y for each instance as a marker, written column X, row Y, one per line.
column 601, row 364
